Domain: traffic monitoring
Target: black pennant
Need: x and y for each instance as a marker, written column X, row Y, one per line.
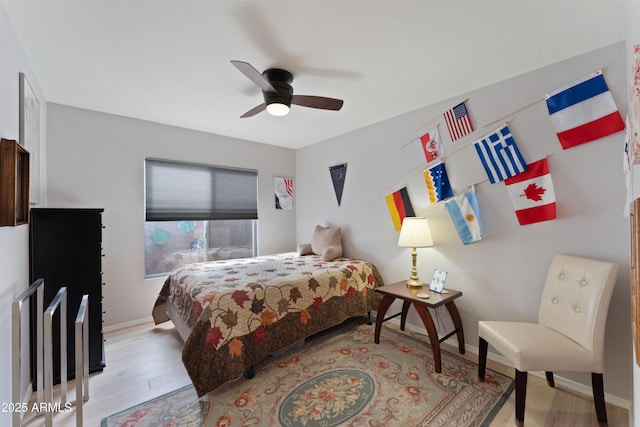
column 338, row 174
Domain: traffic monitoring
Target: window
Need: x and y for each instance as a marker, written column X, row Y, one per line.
column 197, row 213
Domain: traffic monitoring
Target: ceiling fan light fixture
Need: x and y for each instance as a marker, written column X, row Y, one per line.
column 278, row 93
column 278, row 109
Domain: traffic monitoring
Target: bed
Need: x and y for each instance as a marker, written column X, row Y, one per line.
column 234, row 313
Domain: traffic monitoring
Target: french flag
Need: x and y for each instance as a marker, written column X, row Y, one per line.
column 583, row 111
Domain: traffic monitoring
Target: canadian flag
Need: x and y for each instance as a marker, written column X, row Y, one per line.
column 532, row 193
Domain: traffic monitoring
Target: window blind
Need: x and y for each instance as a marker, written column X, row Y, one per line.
column 184, row 191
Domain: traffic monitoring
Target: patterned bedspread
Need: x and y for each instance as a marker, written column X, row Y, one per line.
column 241, row 311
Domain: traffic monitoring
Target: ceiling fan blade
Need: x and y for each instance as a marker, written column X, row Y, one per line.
column 254, row 111
column 254, row 75
column 320, row 102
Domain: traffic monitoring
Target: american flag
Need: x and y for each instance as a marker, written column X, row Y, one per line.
column 458, row 121
column 288, row 184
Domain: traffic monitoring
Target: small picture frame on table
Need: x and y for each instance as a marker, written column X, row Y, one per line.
column 437, row 281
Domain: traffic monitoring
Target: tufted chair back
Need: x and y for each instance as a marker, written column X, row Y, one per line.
column 569, row 334
column 575, row 301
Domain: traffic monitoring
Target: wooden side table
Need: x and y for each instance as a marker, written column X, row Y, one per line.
column 409, row 295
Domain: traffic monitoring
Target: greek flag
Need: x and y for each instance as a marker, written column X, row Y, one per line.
column 499, row 155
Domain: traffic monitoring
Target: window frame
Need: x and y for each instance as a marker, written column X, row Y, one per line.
column 172, row 195
column 238, row 184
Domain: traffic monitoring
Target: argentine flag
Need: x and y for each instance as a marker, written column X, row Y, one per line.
column 465, row 214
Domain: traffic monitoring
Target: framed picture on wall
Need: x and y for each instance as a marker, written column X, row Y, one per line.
column 284, row 193
column 30, row 135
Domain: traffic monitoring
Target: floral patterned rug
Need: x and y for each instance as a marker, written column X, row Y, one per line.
column 341, row 378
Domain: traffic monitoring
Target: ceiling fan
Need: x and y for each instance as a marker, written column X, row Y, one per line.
column 278, row 93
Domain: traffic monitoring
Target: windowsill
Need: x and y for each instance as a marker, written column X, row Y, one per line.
column 156, row 277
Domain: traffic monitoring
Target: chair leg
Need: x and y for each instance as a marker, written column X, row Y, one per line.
column 598, row 398
column 521, row 395
column 482, row 358
column 550, row 380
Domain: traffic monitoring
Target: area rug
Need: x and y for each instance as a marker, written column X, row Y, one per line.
column 341, row 378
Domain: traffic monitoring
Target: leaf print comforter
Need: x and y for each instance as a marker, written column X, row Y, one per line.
column 240, row 311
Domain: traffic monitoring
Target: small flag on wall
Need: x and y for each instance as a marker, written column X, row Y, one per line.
column 284, row 193
column 499, row 155
column 583, row 111
column 458, row 121
column 399, row 207
column 532, row 194
column 437, row 182
column 338, row 175
column 465, row 214
column 431, row 144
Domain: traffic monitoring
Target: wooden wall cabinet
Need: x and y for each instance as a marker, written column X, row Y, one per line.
column 14, row 183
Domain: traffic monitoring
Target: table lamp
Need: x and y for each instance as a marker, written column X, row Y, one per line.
column 414, row 234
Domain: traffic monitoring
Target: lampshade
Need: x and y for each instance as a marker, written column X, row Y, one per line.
column 277, row 109
column 415, row 233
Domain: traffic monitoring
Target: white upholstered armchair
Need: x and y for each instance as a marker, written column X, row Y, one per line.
column 569, row 335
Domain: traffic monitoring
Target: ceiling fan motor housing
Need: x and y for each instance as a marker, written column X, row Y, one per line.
column 281, row 82
column 278, row 93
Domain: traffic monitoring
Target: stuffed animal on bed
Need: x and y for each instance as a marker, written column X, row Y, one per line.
column 325, row 241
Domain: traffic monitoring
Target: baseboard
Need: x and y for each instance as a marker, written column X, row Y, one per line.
column 125, row 325
column 560, row 381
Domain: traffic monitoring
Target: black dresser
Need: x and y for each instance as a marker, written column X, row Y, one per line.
column 66, row 250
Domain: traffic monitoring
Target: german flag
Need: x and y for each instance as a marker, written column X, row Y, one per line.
column 399, row 207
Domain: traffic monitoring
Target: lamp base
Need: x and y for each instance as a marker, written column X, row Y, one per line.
column 414, row 282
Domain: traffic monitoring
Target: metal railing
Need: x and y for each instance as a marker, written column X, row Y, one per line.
column 82, row 357
column 36, row 288
column 60, row 300
column 44, row 346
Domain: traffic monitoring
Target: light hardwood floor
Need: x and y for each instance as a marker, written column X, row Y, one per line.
column 144, row 362
column 551, row 407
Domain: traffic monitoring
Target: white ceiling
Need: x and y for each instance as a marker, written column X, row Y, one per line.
column 168, row 61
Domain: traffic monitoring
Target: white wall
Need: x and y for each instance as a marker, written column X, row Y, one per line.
column 96, row 160
column 502, row 275
column 14, row 241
